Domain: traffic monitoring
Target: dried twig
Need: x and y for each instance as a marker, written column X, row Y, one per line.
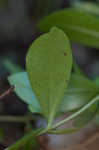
column 10, row 90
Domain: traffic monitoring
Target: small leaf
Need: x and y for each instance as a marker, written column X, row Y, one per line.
column 64, row 131
column 77, row 70
column 49, row 63
column 24, row 91
column 84, row 31
column 79, row 92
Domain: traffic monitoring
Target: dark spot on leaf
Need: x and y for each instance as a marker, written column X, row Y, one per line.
column 65, row 54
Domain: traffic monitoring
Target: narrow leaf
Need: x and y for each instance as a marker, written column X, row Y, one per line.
column 64, row 131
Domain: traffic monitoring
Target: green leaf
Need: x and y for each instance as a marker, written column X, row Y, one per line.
column 84, row 31
column 64, row 131
column 77, row 70
column 11, row 66
column 49, row 63
column 33, row 134
column 34, row 109
column 79, row 92
column 86, row 116
column 32, row 144
column 74, row 115
column 24, row 91
column 91, row 7
column 97, row 81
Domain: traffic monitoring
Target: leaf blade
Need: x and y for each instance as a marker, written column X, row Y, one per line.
column 64, row 131
column 90, row 7
column 72, row 100
column 23, row 90
column 49, row 64
column 79, row 92
column 85, row 31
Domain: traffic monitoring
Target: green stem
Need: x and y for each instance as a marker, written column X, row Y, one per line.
column 25, row 139
column 41, row 131
column 11, row 66
column 23, row 119
column 76, row 113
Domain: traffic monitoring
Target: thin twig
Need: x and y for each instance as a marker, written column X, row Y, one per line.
column 23, row 119
column 10, row 90
column 19, row 119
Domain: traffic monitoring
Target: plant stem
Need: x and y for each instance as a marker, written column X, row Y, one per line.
column 23, row 119
column 26, row 139
column 11, row 66
column 10, row 90
column 41, row 131
column 76, row 113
